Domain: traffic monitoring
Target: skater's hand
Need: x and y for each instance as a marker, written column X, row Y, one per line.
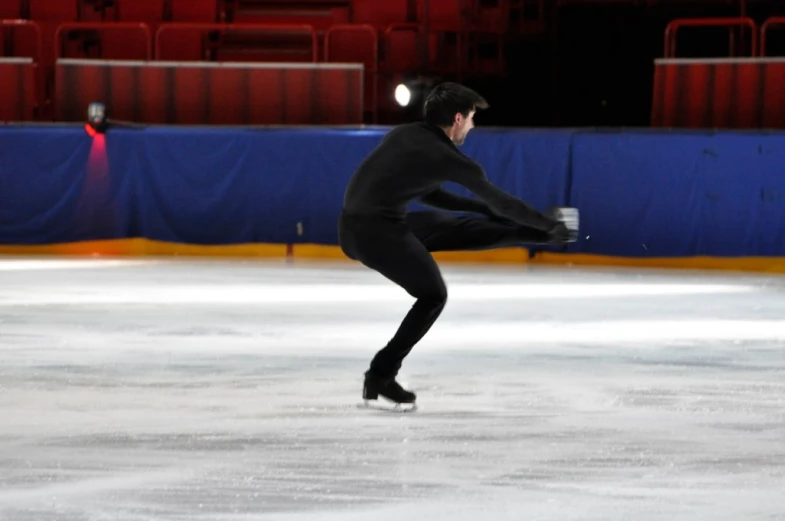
column 566, row 228
column 560, row 234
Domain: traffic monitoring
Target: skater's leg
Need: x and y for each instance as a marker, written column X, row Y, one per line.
column 407, row 263
column 393, row 251
column 448, row 232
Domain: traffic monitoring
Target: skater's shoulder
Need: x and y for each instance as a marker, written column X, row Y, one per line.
column 406, row 129
column 420, row 128
column 421, row 137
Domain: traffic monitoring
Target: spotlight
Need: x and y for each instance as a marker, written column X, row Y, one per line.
column 403, row 95
column 410, row 94
column 96, row 117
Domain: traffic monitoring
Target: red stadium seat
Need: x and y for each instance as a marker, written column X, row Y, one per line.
column 54, row 10
column 10, row 9
column 194, row 10
column 17, row 89
column 108, row 41
column 148, row 11
column 445, row 15
column 356, row 43
column 380, row 14
column 400, row 48
column 236, row 42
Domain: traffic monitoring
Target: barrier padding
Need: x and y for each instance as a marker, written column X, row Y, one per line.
column 647, row 198
column 650, row 195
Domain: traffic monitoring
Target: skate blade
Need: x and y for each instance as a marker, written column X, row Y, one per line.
column 388, row 406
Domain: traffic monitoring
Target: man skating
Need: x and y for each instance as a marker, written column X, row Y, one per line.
column 412, row 162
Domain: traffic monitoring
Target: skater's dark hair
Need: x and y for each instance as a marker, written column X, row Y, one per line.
column 448, row 99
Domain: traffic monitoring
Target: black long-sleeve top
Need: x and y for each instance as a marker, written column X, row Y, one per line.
column 411, row 162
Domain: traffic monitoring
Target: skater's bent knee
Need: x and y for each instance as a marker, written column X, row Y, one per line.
column 434, row 299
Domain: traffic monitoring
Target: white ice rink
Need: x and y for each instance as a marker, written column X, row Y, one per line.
column 227, row 391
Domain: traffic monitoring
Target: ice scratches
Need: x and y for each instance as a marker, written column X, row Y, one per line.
column 72, row 486
column 143, row 377
column 31, row 479
column 507, row 434
column 7, row 319
column 153, row 412
column 39, row 514
column 729, row 464
column 750, row 427
column 203, row 442
column 17, row 337
column 542, row 477
column 725, row 364
column 727, row 397
column 281, row 488
column 71, row 369
column 201, row 331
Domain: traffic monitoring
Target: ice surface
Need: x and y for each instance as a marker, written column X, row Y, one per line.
column 228, row 390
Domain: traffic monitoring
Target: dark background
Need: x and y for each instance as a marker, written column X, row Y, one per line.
column 593, row 65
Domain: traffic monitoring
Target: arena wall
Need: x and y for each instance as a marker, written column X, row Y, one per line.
column 647, row 197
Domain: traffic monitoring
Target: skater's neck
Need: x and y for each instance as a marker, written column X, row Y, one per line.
column 450, row 132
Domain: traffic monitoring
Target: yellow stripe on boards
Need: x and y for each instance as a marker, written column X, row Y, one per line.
column 756, row 264
column 144, row 247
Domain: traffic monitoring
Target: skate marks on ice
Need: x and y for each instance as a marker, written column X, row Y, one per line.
column 117, row 403
column 499, row 434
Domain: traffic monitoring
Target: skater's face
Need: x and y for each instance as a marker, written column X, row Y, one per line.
column 461, row 127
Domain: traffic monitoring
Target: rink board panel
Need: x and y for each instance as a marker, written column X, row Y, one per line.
column 648, row 197
column 222, row 187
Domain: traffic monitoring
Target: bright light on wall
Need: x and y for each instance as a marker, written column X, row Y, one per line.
column 403, row 96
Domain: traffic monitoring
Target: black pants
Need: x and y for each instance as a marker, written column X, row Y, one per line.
column 400, row 251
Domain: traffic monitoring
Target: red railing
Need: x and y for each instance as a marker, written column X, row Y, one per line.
column 764, row 30
column 672, row 29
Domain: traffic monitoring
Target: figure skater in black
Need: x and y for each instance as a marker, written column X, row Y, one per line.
column 411, row 162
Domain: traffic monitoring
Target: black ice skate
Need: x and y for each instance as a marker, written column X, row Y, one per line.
column 388, row 389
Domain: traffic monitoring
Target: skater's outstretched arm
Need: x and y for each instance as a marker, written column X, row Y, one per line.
column 445, row 200
column 466, row 172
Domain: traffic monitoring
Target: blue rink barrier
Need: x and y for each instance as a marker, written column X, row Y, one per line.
column 642, row 194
